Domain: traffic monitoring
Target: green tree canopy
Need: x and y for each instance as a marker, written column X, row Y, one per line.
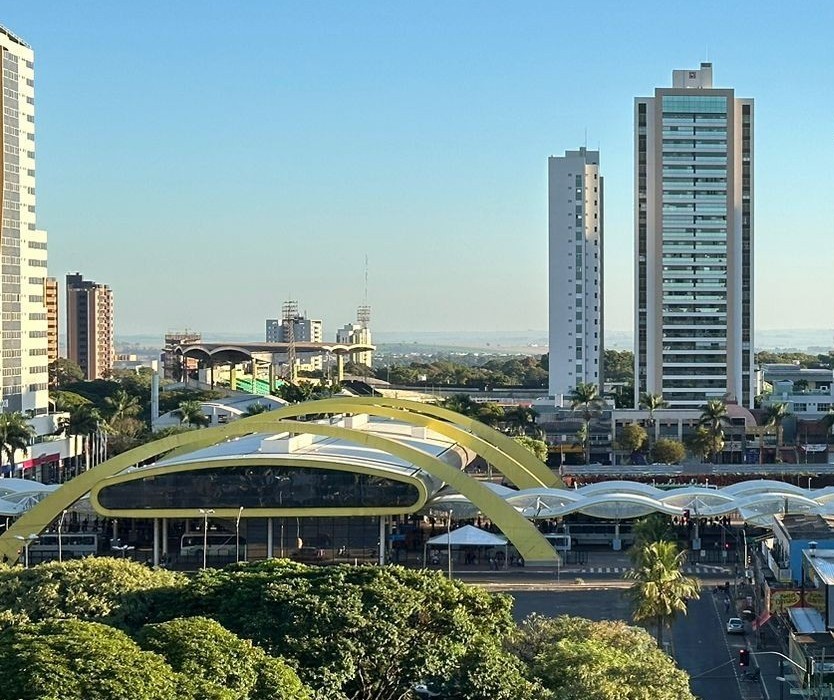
column 577, row 659
column 15, row 435
column 632, row 437
column 668, row 451
column 537, row 447
column 63, row 371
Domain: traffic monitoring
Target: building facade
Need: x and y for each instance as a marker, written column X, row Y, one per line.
column 356, row 334
column 694, row 242
column 575, row 223
column 50, row 292
column 305, row 330
column 90, row 326
column 23, row 326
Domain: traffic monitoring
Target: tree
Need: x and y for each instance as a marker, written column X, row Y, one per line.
column 460, row 403
column 652, row 402
column 713, row 419
column 668, row 451
column 71, row 659
column 520, row 419
column 490, row 414
column 774, row 417
column 296, row 393
column 121, row 405
column 632, row 437
column 256, row 409
column 653, row 528
column 82, row 423
column 576, row 659
column 660, row 589
column 15, row 435
column 537, row 447
column 63, row 371
column 585, row 399
column 191, row 413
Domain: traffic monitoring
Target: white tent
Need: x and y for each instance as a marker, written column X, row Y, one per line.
column 466, row 536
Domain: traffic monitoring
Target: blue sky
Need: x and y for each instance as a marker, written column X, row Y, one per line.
column 210, row 160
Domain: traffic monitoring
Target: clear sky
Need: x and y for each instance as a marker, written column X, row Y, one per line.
column 209, row 159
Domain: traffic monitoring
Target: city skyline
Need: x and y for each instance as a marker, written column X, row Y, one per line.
column 415, row 137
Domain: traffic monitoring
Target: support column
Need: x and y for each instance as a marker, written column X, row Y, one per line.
column 211, row 374
column 165, row 539
column 233, row 377
column 696, row 536
column 382, row 540
column 156, row 542
column 617, row 543
column 269, row 539
column 340, row 367
column 271, row 377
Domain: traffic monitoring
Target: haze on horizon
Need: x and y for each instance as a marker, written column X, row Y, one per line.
column 209, row 165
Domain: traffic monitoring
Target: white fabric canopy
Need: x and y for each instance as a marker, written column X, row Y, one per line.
column 468, row 535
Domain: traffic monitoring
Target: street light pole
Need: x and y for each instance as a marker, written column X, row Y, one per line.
column 237, row 534
column 449, row 541
column 205, row 512
column 26, row 542
column 60, row 544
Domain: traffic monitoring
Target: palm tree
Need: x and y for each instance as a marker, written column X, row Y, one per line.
column 713, row 418
column 121, row 405
column 15, row 434
column 774, row 417
column 660, row 589
column 521, row 419
column 586, row 400
column 652, row 402
column 191, row 413
column 83, row 422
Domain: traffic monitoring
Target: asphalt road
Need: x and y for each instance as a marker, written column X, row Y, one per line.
column 698, row 641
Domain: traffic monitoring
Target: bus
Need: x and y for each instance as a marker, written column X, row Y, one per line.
column 74, row 545
column 560, row 542
column 217, row 544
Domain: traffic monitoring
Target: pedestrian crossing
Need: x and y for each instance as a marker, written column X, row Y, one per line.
column 622, row 570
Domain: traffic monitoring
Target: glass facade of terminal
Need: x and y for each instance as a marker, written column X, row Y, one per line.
column 258, row 487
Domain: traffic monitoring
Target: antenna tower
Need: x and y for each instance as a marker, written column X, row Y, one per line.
column 363, row 313
column 289, row 313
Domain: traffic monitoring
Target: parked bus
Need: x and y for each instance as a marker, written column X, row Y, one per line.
column 216, row 544
column 73, row 546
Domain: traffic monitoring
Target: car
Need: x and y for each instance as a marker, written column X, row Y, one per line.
column 735, row 625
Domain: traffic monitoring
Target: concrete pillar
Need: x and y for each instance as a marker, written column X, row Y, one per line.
column 696, row 536
column 382, row 534
column 233, row 377
column 156, row 541
column 617, row 543
column 269, row 539
column 340, row 367
column 165, row 538
column 271, row 378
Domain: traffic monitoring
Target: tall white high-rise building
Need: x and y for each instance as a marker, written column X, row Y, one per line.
column 694, row 242
column 23, row 324
column 575, row 211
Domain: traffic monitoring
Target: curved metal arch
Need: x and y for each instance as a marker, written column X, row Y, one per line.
column 518, row 464
column 526, row 538
column 260, row 512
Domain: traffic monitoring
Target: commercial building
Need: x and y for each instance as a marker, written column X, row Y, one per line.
column 358, row 333
column 575, row 212
column 50, row 293
column 694, row 242
column 90, row 326
column 305, row 330
column 23, row 341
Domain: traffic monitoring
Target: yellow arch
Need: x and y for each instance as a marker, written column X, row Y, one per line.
column 521, row 468
column 526, row 538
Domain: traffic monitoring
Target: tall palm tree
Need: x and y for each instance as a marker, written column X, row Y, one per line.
column 521, row 419
column 191, row 413
column 713, row 418
column 774, row 418
column 121, row 405
column 15, row 434
column 585, row 399
column 660, row 589
column 652, row 402
column 83, row 422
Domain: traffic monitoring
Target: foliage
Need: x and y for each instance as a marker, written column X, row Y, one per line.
column 84, row 420
column 191, row 413
column 171, row 400
column 490, row 414
column 119, row 591
column 521, row 420
column 653, row 528
column 660, row 589
column 63, row 371
column 67, row 400
column 256, row 409
column 618, row 366
column 15, row 435
column 713, row 419
column 218, row 664
column 668, row 451
column 585, row 399
column 522, row 370
column 632, row 437
column 537, row 447
column 576, row 659
column 71, row 659
column 121, row 405
column 801, row 359
column 774, row 417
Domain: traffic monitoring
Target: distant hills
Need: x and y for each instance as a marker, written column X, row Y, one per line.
column 533, row 342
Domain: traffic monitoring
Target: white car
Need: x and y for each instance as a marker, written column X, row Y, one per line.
column 735, row 625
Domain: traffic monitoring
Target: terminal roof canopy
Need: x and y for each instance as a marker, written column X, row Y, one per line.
column 470, row 536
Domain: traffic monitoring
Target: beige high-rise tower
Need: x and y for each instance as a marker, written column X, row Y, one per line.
column 694, row 242
column 90, row 326
column 23, row 324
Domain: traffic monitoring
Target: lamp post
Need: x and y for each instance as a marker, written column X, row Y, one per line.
column 206, row 512
column 449, row 541
column 237, row 534
column 60, row 527
column 26, row 542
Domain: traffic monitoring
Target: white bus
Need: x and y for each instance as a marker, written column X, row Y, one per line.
column 216, row 544
column 73, row 546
